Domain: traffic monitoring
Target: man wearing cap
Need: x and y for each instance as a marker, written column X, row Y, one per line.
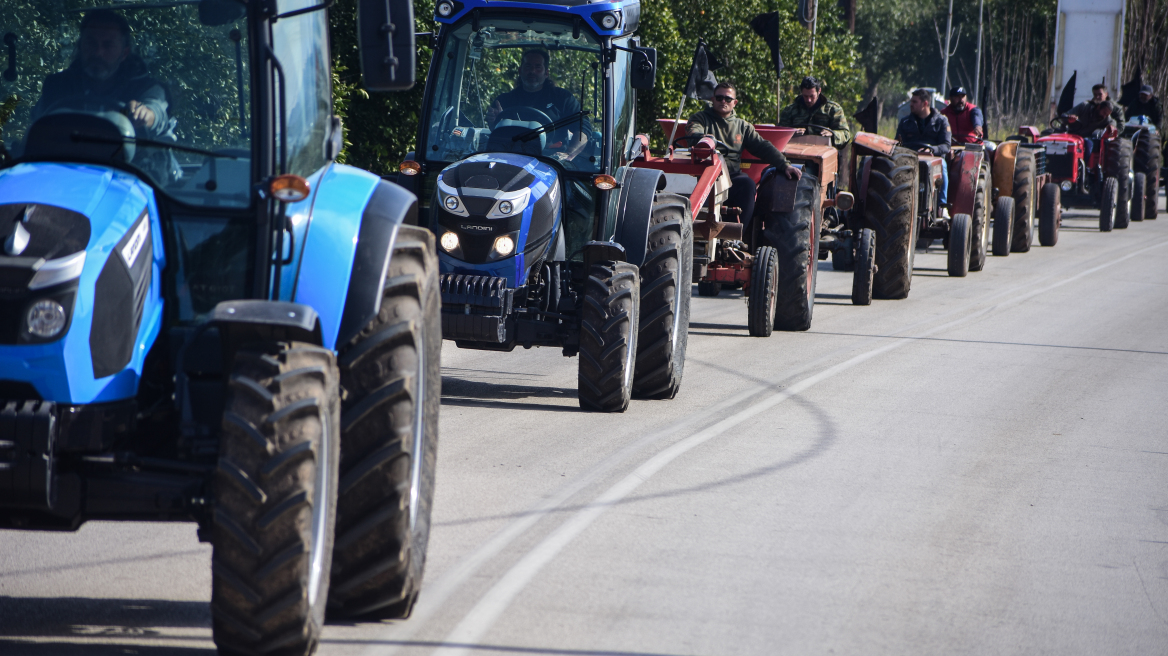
column 813, row 112
column 965, row 118
column 718, row 121
column 1148, row 105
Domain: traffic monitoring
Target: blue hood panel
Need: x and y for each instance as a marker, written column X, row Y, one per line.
column 115, row 202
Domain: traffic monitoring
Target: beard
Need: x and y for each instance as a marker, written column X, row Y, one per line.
column 98, row 69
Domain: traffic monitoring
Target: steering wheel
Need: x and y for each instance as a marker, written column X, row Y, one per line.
column 524, row 113
column 818, row 129
column 1059, row 123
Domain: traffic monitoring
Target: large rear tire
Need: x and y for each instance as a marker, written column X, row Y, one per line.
column 1025, row 197
column 980, row 228
column 1003, row 225
column 392, row 380
column 760, row 304
column 890, row 210
column 665, row 299
column 608, row 336
column 1118, row 164
column 1138, row 201
column 1107, row 201
column 275, row 499
column 1147, row 160
column 865, row 268
column 960, row 236
column 1050, row 211
column 795, row 237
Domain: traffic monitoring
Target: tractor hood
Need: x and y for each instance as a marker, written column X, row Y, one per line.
column 85, row 237
column 503, row 211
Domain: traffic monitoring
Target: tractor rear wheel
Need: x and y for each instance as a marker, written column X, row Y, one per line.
column 1147, row 160
column 890, row 210
column 709, row 288
column 1025, row 197
column 1049, row 214
column 795, row 237
column 980, row 227
column 1003, row 225
column 760, row 305
column 665, row 299
column 389, row 448
column 1118, row 164
column 275, row 492
column 1107, row 202
column 960, row 234
column 865, row 268
column 1138, row 202
column 608, row 336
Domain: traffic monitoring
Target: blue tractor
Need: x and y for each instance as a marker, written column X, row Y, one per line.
column 547, row 236
column 204, row 317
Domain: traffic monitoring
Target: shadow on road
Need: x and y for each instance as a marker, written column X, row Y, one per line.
column 65, row 626
column 504, row 395
column 499, row 649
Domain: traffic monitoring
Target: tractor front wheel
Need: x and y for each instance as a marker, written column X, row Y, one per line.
column 980, row 227
column 1138, row 202
column 1025, row 196
column 1049, row 214
column 608, row 336
column 960, row 235
column 1107, row 203
column 709, row 289
column 865, row 268
column 760, row 305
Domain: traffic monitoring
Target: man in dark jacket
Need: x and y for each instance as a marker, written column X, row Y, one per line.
column 106, row 75
column 1148, row 105
column 1091, row 120
column 812, row 108
column 535, row 89
column 718, row 121
column 926, row 131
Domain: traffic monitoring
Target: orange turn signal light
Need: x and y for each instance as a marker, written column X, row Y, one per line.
column 410, row 167
column 288, row 188
column 604, row 182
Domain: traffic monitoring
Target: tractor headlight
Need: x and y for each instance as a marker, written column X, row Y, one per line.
column 512, row 204
column 504, row 246
column 607, row 20
column 451, row 203
column 445, row 9
column 449, row 241
column 1066, row 185
column 46, row 318
column 505, row 207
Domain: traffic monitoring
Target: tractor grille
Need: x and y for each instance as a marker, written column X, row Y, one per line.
column 1039, row 152
column 1060, row 166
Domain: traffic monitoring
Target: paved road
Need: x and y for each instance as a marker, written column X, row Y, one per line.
column 982, row 468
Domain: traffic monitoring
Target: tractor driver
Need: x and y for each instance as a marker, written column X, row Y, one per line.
column 965, row 118
column 718, row 121
column 105, row 72
column 926, row 131
column 812, row 108
column 537, row 90
column 1091, row 120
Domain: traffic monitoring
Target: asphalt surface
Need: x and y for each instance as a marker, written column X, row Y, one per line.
column 981, row 468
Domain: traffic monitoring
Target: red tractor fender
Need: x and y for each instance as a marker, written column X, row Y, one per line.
column 964, row 173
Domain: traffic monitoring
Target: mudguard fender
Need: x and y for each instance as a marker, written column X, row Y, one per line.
column 634, row 211
column 963, row 178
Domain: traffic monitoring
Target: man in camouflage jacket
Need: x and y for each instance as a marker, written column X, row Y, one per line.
column 812, row 108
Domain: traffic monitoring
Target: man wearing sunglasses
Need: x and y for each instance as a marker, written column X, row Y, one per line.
column 813, row 113
column 718, row 121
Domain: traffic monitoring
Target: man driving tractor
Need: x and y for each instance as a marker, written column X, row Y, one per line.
column 106, row 73
column 813, row 112
column 718, row 121
column 965, row 118
column 535, row 89
column 926, row 130
column 1091, row 120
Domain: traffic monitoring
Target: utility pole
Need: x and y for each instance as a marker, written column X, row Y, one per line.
column 977, row 70
column 948, row 33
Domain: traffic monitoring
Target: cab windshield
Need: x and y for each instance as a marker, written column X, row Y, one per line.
column 174, row 91
column 518, row 85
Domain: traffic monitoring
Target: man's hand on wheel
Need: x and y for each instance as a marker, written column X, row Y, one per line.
column 793, row 173
column 825, row 133
column 140, row 114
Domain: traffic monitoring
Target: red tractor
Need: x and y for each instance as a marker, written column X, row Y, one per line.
column 1102, row 180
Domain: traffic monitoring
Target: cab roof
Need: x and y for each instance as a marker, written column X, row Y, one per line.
column 627, row 13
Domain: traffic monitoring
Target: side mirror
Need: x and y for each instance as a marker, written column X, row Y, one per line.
column 385, row 36
column 644, row 73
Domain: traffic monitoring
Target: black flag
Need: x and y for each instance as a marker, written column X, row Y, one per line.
column 1130, row 92
column 869, row 117
column 1067, row 100
column 701, row 81
column 767, row 26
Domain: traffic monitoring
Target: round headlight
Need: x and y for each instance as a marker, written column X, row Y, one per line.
column 449, row 241
column 445, row 9
column 608, row 22
column 505, row 207
column 46, row 318
column 451, row 203
column 504, row 245
column 1066, row 185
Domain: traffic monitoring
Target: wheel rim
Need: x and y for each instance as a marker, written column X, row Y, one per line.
column 419, row 434
column 319, row 521
column 677, row 294
column 631, row 347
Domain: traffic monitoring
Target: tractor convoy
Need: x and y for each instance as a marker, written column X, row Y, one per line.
column 173, row 346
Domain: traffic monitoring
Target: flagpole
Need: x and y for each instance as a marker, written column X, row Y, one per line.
column 680, row 109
